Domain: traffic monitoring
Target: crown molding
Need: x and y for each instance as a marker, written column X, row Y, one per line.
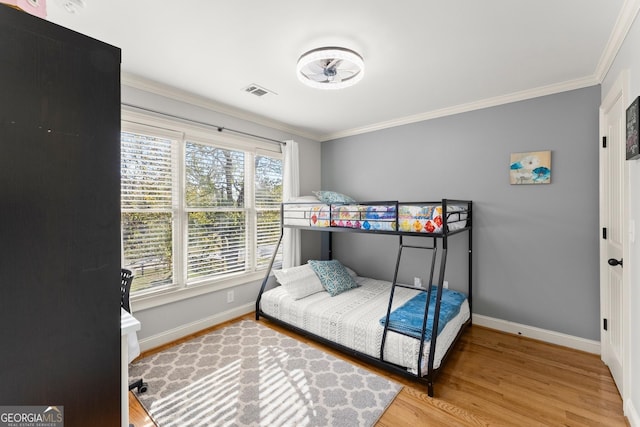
column 626, row 17
column 151, row 86
column 471, row 106
column 623, row 24
column 148, row 85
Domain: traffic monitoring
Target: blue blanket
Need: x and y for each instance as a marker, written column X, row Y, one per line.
column 408, row 317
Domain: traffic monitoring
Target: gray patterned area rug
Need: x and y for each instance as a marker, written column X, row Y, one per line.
column 247, row 374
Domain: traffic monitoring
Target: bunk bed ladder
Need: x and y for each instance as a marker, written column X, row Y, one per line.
column 428, row 290
column 434, row 327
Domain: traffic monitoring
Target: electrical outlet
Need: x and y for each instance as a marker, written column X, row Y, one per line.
column 230, row 296
column 417, row 282
column 445, row 284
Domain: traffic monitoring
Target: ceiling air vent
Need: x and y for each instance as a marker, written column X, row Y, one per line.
column 257, row 90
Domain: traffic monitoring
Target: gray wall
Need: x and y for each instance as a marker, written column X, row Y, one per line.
column 535, row 246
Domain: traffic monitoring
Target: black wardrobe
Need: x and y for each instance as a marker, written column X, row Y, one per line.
column 59, row 220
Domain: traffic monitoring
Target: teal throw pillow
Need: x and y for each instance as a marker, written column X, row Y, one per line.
column 331, row 197
column 334, row 276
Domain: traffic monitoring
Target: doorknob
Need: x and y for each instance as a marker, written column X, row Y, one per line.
column 613, row 262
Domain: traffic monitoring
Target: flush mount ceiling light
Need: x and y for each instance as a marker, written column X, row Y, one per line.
column 330, row 68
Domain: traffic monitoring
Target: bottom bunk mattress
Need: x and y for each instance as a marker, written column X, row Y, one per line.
column 353, row 319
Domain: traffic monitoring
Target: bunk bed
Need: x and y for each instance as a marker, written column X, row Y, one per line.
column 378, row 321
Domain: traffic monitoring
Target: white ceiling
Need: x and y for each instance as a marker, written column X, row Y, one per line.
column 423, row 58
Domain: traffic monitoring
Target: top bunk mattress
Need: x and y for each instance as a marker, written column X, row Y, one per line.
column 424, row 217
column 352, row 319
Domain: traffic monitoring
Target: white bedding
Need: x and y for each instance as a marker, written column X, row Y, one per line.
column 352, row 319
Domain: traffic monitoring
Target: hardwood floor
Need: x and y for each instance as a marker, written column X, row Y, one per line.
column 491, row 379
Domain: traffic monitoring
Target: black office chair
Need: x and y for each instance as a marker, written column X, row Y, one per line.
column 125, row 288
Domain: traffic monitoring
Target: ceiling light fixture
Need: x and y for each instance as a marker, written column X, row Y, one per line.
column 330, row 68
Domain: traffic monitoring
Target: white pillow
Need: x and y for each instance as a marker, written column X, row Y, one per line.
column 303, row 199
column 299, row 282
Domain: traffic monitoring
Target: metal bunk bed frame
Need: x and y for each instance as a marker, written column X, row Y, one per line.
column 432, row 373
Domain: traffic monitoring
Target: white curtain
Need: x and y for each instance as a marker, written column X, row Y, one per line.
column 291, row 188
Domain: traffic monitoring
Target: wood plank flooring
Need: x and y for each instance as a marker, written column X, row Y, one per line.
column 491, row 379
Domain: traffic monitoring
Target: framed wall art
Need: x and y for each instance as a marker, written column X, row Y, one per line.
column 533, row 167
column 633, row 150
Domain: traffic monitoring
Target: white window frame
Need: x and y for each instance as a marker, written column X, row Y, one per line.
column 135, row 121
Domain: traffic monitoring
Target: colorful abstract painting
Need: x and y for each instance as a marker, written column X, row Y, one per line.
column 530, row 168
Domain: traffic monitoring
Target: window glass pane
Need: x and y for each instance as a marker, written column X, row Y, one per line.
column 268, row 175
column 146, row 173
column 214, row 177
column 268, row 235
column 216, row 243
column 147, row 184
column 148, row 252
column 268, row 190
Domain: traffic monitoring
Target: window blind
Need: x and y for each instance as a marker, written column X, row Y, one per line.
column 146, row 205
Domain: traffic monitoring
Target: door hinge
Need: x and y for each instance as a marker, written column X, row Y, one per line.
column 604, row 142
column 604, row 324
column 604, row 233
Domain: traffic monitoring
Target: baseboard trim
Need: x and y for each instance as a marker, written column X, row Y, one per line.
column 191, row 328
column 552, row 337
column 632, row 414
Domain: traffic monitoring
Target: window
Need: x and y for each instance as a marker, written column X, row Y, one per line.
column 198, row 208
column 268, row 196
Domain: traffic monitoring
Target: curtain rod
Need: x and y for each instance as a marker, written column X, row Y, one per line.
column 219, row 128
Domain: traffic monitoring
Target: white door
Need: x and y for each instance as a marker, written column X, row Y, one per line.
column 613, row 219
